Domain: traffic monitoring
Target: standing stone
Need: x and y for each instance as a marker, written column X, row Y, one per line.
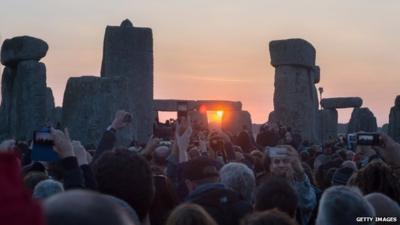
column 22, row 48
column 29, row 99
column 328, row 124
column 7, row 81
column 394, row 120
column 362, row 119
column 295, row 96
column 128, row 53
column 341, row 102
column 234, row 121
column 50, row 107
column 89, row 106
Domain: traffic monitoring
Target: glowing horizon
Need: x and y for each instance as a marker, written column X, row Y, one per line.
column 219, row 50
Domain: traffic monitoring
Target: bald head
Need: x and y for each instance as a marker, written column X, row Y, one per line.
column 383, row 205
column 84, row 208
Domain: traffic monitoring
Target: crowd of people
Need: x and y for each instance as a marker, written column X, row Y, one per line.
column 201, row 177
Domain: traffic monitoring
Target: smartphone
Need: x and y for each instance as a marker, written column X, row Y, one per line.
column 277, row 152
column 42, row 149
column 368, row 138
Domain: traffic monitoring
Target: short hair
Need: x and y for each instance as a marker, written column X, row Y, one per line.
column 84, row 208
column 276, row 192
column 383, row 205
column 341, row 205
column 190, row 214
column 240, row 178
column 125, row 175
column 377, row 177
column 269, row 217
column 47, row 188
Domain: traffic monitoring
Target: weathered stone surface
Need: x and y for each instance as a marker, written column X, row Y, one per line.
column 57, row 116
column 29, row 99
column 296, row 100
column 342, row 102
column 362, row 119
column 128, row 53
column 328, row 124
column 89, row 106
column 394, row 120
column 7, row 81
column 22, row 48
column 171, row 105
column 295, row 52
column 234, row 121
column 50, row 106
column 316, row 73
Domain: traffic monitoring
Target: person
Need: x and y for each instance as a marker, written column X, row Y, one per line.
column 79, row 207
column 276, row 192
column 224, row 205
column 342, row 205
column 18, row 206
column 190, row 214
column 47, row 188
column 269, row 217
column 126, row 175
column 284, row 161
column 384, row 207
column 165, row 200
column 377, row 176
column 239, row 178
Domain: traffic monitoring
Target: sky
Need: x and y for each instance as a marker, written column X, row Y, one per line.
column 207, row 49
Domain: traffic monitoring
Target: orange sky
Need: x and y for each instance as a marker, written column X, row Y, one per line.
column 218, row 49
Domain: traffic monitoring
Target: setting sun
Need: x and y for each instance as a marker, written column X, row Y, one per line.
column 220, row 113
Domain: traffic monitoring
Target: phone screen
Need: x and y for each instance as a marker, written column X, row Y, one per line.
column 42, row 149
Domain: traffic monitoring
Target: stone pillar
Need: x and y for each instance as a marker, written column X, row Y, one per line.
column 25, row 103
column 362, row 119
column 328, row 124
column 394, row 120
column 295, row 96
column 90, row 104
column 128, row 53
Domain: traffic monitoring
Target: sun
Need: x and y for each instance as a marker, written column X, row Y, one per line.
column 220, row 113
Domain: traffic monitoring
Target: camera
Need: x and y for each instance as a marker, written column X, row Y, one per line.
column 368, row 138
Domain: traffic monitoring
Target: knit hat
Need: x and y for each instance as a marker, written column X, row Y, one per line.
column 342, row 175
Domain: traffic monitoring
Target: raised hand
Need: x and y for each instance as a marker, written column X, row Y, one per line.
column 121, row 119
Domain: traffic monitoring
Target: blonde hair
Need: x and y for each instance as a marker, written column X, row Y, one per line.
column 190, row 214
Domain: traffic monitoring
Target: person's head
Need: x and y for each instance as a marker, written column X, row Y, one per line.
column 200, row 171
column 33, row 178
column 160, row 155
column 84, row 208
column 377, row 177
column 240, row 178
column 258, row 158
column 341, row 205
column 126, row 175
column 277, row 193
column 341, row 176
column 349, row 164
column 165, row 199
column 277, row 162
column 190, row 214
column 383, row 205
column 47, row 188
column 269, row 217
